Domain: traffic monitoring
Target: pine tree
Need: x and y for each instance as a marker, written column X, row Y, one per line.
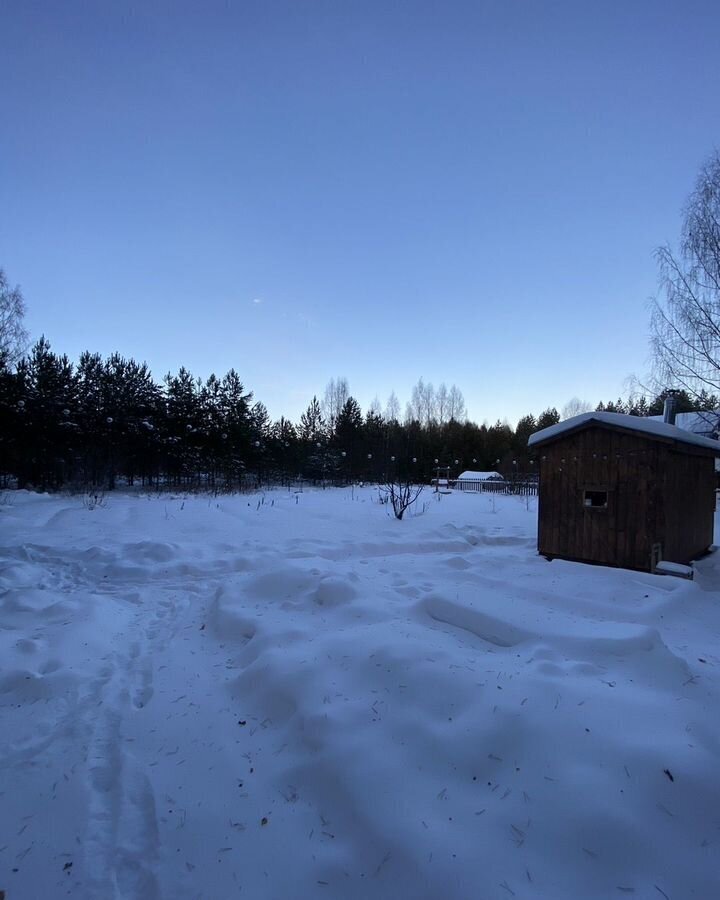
column 259, row 421
column 49, row 390
column 548, row 417
column 312, row 424
column 349, row 437
column 525, row 427
column 11, row 415
column 235, row 406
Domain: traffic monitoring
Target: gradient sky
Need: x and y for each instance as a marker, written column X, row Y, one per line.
column 468, row 192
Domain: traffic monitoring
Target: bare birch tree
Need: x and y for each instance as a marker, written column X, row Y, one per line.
column 685, row 324
column 442, row 402
column 575, row 407
column 13, row 336
column 457, row 411
column 336, row 396
column 422, row 403
column 392, row 408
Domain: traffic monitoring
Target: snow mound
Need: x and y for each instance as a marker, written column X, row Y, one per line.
column 334, row 591
column 488, row 628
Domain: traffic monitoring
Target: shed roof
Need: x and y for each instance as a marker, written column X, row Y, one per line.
column 649, row 428
column 479, row 476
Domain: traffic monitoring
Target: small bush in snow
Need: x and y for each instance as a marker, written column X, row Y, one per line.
column 94, row 499
column 401, row 495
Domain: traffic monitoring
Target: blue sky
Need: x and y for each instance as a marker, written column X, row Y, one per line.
column 468, row 192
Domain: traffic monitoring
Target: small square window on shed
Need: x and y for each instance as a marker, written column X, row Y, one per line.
column 596, row 499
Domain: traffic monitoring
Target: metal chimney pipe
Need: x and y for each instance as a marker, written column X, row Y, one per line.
column 669, row 409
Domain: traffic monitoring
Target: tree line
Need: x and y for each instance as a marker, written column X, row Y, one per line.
column 103, row 420
column 702, row 401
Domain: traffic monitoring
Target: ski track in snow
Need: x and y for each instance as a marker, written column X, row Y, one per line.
column 297, row 696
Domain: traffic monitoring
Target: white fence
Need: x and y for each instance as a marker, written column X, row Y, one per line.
column 521, row 485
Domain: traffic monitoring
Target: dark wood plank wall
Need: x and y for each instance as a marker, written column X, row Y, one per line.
column 656, row 494
column 594, row 459
column 689, row 489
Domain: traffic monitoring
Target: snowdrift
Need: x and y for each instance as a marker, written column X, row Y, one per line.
column 306, row 698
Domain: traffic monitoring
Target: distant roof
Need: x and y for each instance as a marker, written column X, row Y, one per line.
column 704, row 423
column 478, row 476
column 651, row 428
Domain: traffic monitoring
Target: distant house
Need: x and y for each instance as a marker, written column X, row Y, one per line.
column 475, row 481
column 706, row 424
column 624, row 491
column 480, row 476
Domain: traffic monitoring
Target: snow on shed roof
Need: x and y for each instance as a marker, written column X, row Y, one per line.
column 478, row 476
column 649, row 427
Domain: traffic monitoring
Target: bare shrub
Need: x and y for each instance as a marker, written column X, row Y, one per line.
column 401, row 494
column 94, row 500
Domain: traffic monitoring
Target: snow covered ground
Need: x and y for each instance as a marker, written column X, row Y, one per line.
column 218, row 698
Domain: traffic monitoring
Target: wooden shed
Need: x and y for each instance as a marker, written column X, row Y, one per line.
column 624, row 491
